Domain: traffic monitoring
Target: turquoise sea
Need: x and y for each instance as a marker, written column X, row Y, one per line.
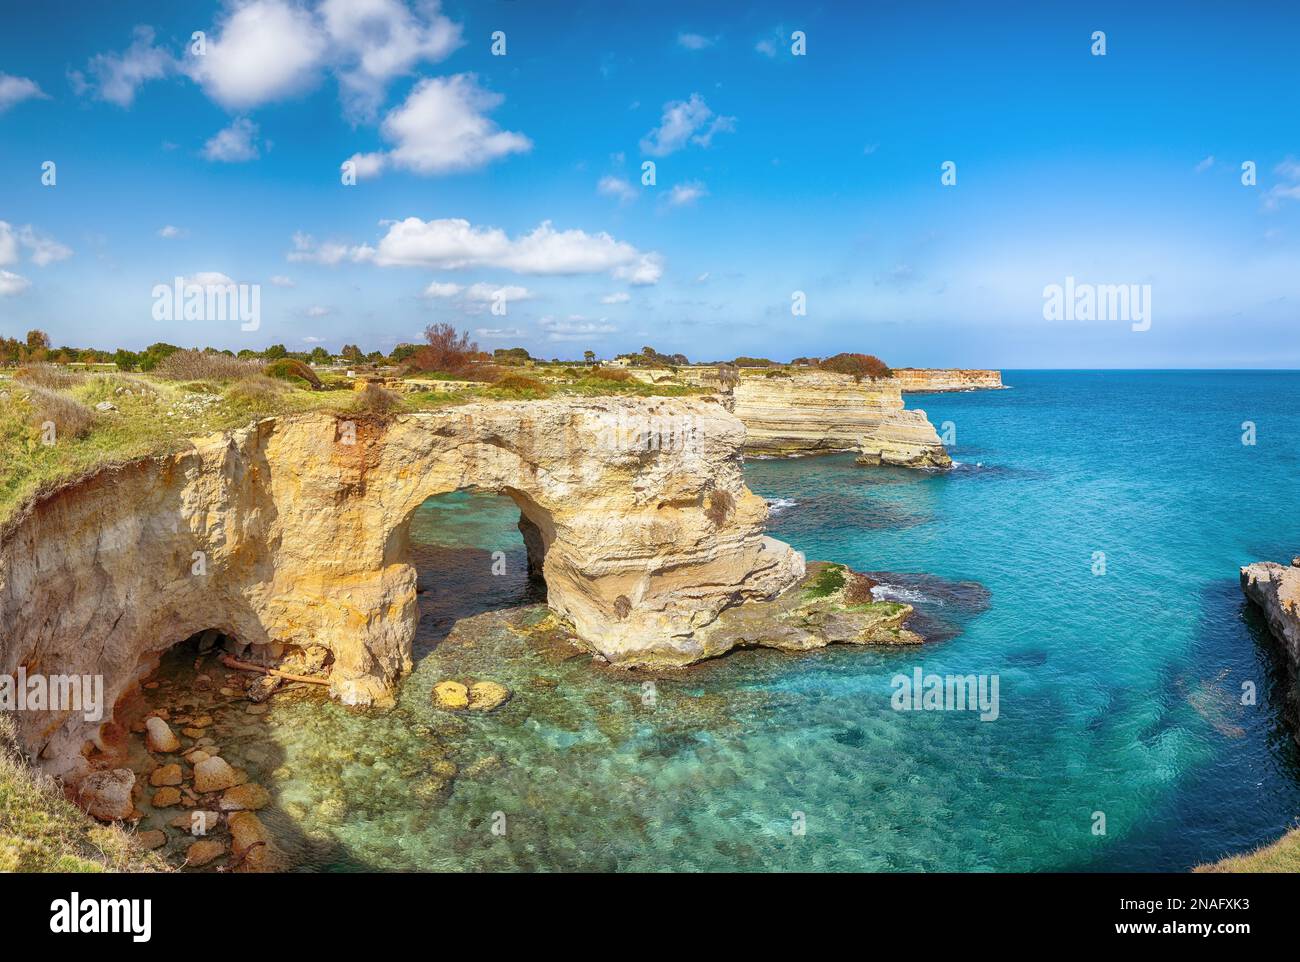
column 1120, row 693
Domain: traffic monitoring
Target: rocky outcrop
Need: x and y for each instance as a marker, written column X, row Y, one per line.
column 916, row 380
column 816, row 413
column 1276, row 589
column 295, row 531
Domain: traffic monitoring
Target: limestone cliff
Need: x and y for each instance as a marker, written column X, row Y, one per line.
column 917, row 380
column 296, row 530
column 1276, row 589
column 798, row 412
column 815, row 413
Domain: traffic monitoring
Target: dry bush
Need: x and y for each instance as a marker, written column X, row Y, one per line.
column 721, row 504
column 71, row 418
column 609, row 374
column 857, row 365
column 258, row 392
column 288, row 368
column 202, row 366
column 49, row 376
column 445, row 350
column 373, row 399
column 519, row 383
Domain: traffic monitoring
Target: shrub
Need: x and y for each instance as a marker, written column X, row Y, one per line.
column 47, row 376
column 519, row 384
column 373, row 399
column 445, row 350
column 71, row 418
column 776, row 372
column 201, row 366
column 856, row 365
column 289, row 369
column 256, row 393
column 609, row 374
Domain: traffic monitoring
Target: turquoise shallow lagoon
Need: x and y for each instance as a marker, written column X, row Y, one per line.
column 1119, row 693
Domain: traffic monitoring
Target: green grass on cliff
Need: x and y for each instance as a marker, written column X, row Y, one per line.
column 40, row 831
column 1281, row 856
column 155, row 416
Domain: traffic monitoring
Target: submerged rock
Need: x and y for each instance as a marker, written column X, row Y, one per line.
column 152, row 839
column 214, row 775
column 165, row 775
column 487, row 696
column 245, row 797
column 203, row 852
column 451, row 695
column 166, row 797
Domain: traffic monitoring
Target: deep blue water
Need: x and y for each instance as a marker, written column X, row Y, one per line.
column 1119, row 693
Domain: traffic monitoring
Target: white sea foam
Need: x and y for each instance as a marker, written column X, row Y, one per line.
column 777, row 505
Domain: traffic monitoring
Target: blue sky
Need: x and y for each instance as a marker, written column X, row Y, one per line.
column 775, row 173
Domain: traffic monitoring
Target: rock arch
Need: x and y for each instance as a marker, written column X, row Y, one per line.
column 301, row 525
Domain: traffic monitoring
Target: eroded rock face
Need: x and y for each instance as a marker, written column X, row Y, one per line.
column 813, row 413
column 1276, row 589
column 295, row 531
column 931, row 379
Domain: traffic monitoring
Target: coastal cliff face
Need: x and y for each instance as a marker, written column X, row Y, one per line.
column 1276, row 589
column 921, row 379
column 815, row 413
column 296, row 531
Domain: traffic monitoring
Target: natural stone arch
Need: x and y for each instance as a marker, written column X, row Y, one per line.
column 303, row 525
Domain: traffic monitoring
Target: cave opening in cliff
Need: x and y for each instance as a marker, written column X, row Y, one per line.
column 474, row 551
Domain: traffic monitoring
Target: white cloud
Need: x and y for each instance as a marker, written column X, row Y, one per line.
column 618, row 297
column 234, row 145
column 456, row 244
column 306, row 250
column 686, row 193
column 11, row 283
column 279, row 280
column 116, row 77
column 170, row 232
column 695, row 41
column 1205, row 165
column 498, row 333
column 766, row 47
column 437, row 289
column 646, row 269
column 485, row 293
column 378, row 40
column 575, row 328
column 14, row 90
column 619, row 187
column 683, row 122
column 209, row 279
column 870, row 149
column 263, row 50
column 1288, row 169
column 442, row 128
column 8, row 244
column 44, row 250
column 316, row 310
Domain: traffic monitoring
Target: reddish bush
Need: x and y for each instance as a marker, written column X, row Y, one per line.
column 857, row 365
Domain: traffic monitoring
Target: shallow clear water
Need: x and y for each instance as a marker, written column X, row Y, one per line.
column 1119, row 693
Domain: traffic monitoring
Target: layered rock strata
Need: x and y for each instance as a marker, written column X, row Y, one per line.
column 816, row 413
column 915, row 380
column 1276, row 589
column 295, row 531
